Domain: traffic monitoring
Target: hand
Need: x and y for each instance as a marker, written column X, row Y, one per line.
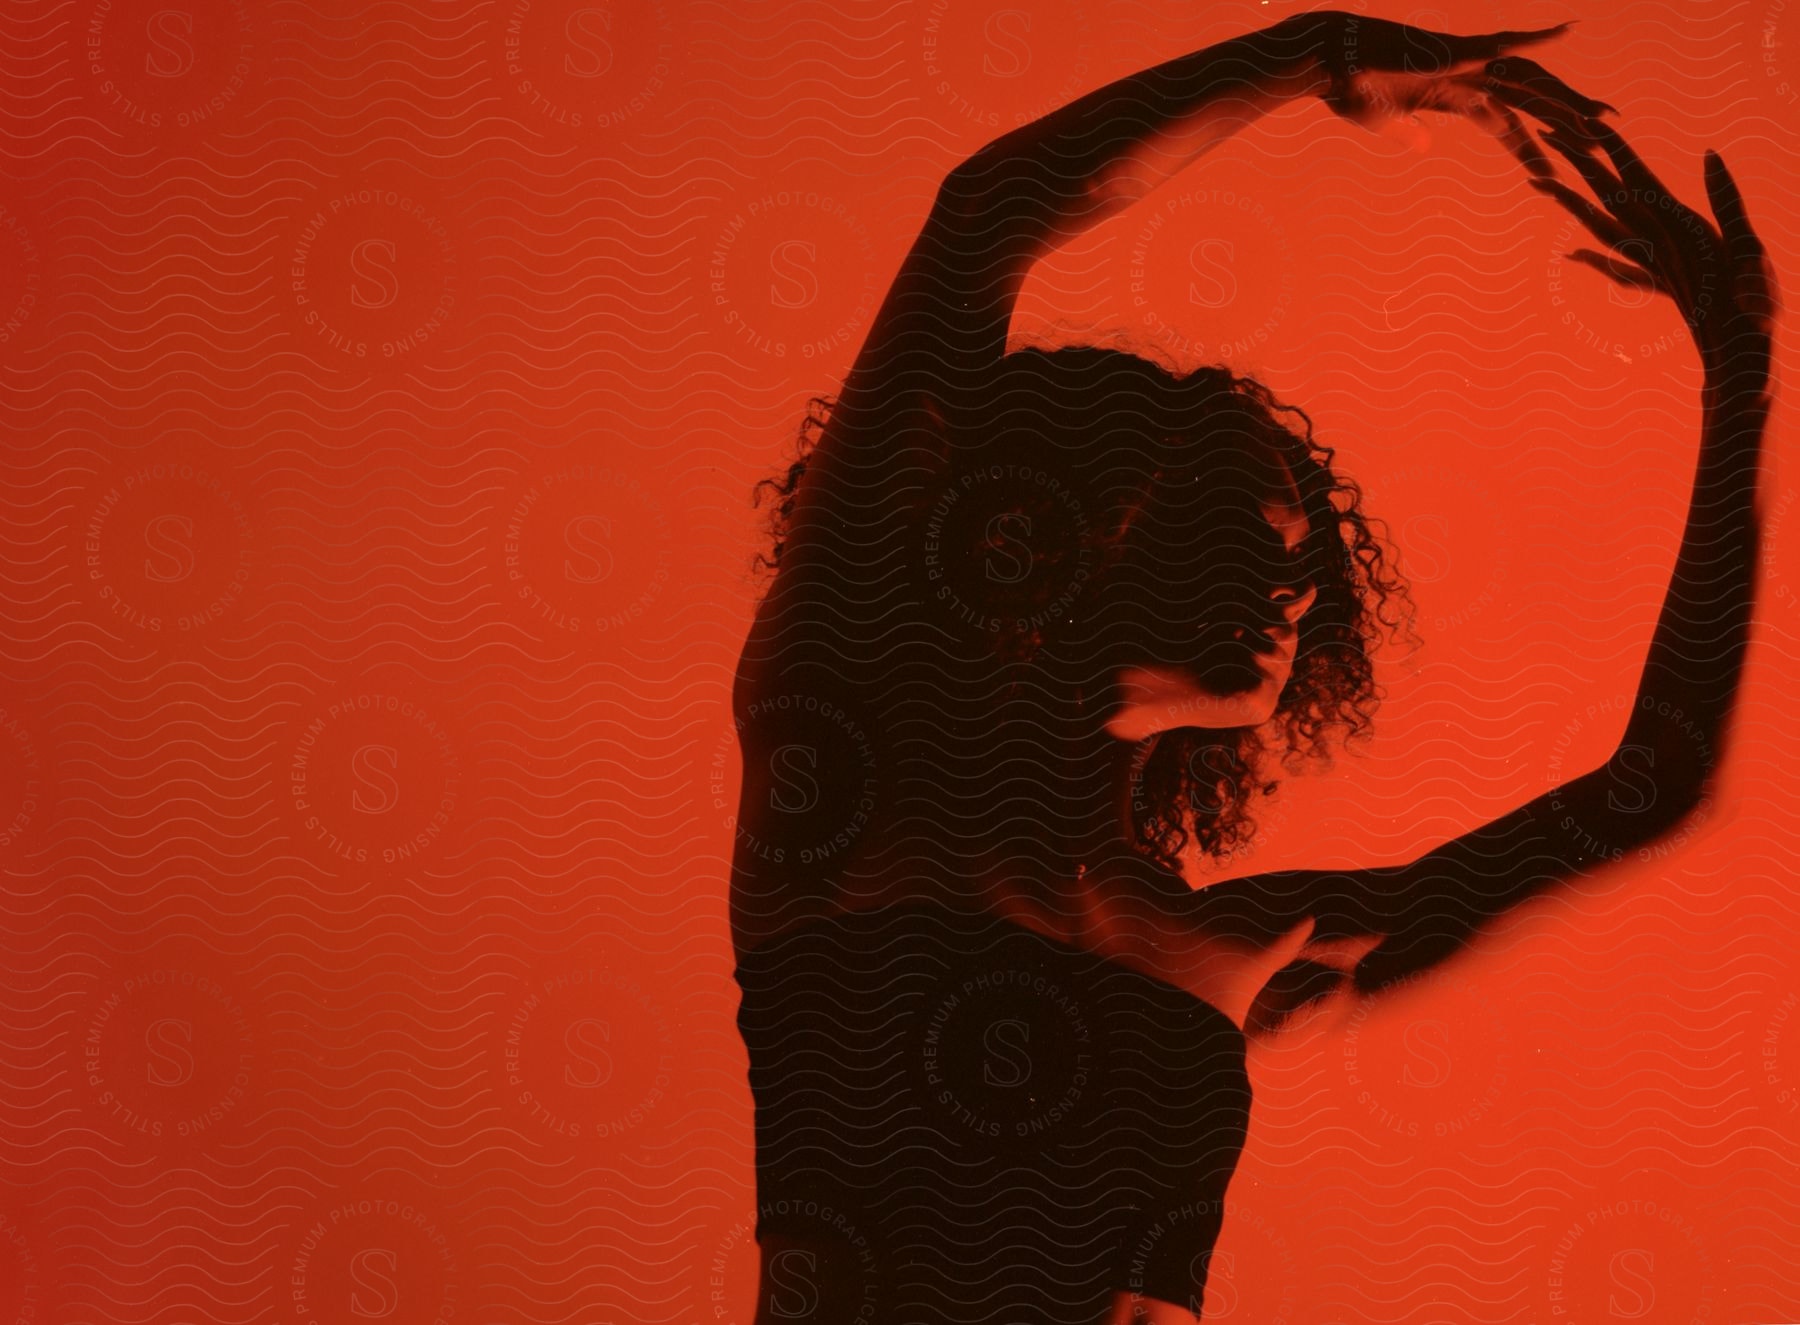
column 1716, row 270
column 1379, row 71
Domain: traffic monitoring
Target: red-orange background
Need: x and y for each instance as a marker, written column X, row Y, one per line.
column 366, row 776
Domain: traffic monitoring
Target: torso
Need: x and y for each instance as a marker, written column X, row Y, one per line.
column 1042, row 1105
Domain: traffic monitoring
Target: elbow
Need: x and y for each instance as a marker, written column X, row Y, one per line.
column 1685, row 811
column 1691, row 791
column 967, row 189
column 1657, row 794
column 1668, row 758
column 991, row 171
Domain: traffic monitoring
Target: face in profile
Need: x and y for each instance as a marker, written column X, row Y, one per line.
column 1217, row 576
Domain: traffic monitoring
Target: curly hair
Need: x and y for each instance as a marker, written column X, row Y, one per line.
column 1129, row 433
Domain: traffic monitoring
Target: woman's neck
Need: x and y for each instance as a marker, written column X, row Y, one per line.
column 1078, row 792
column 1104, row 827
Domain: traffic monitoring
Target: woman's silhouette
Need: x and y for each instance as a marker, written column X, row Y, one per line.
column 1038, row 625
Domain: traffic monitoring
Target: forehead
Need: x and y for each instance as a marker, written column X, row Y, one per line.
column 1288, row 518
column 1240, row 483
column 1283, row 508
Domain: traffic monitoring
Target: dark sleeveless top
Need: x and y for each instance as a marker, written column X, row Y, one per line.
column 958, row 1119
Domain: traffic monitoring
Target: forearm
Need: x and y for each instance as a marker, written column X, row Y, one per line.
column 944, row 322
column 1223, row 955
column 1691, row 675
column 1674, row 737
column 1105, row 150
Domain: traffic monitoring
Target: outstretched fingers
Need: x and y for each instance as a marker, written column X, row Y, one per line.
column 1632, row 170
column 1540, row 104
column 1531, row 79
column 1578, row 150
column 1490, row 45
column 1727, row 201
column 1386, row 46
column 1614, row 268
column 1599, row 224
column 1753, row 280
column 1570, row 133
column 1519, row 141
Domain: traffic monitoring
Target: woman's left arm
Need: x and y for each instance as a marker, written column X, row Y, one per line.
column 1660, row 774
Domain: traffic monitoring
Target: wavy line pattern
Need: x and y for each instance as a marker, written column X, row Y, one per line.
column 385, row 386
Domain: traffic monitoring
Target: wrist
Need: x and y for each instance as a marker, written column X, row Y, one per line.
column 1731, row 394
column 1321, row 52
column 1307, row 55
column 1736, row 373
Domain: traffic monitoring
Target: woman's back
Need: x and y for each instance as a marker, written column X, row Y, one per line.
column 958, row 1119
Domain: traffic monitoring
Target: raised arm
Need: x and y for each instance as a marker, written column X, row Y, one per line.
column 1677, row 733
column 944, row 321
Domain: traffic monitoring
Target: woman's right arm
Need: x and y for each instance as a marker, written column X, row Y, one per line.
column 1658, row 779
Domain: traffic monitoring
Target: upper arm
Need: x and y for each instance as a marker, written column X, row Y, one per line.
column 939, row 331
column 844, row 575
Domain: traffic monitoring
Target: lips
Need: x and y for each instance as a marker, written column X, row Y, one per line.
column 1231, row 656
column 1233, row 666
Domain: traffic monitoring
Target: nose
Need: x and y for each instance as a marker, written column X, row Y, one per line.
column 1278, row 616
